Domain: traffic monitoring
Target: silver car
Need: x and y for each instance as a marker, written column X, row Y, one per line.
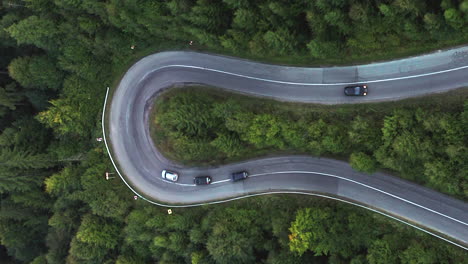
column 169, row 175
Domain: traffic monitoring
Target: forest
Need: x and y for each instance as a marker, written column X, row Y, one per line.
column 58, row 57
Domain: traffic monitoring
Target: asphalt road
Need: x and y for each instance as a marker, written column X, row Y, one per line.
column 140, row 163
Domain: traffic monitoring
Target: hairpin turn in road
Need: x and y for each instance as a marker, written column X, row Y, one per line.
column 140, row 164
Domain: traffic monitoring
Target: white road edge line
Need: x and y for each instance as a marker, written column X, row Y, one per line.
column 221, row 181
column 365, row 185
column 307, row 84
column 183, row 184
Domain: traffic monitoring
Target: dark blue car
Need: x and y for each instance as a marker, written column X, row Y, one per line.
column 238, row 176
column 356, row 90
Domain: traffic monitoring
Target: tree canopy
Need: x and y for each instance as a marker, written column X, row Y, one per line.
column 58, row 56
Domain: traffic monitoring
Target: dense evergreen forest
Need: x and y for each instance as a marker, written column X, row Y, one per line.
column 58, row 56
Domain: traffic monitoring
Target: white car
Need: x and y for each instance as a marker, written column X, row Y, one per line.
column 169, row 175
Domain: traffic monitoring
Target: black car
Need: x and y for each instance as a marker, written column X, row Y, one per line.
column 356, row 90
column 238, row 176
column 202, row 180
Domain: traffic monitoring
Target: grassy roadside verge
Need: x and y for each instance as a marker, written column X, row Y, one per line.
column 306, row 60
column 449, row 101
column 421, row 139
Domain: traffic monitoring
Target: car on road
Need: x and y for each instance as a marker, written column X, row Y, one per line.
column 202, row 180
column 238, row 176
column 355, row 90
column 169, row 175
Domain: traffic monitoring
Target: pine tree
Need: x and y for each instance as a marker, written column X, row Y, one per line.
column 9, row 97
column 13, row 158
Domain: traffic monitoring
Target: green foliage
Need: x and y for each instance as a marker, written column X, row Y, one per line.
column 314, row 229
column 35, row 30
column 338, row 19
column 13, row 158
column 129, row 260
column 22, row 229
column 416, row 253
column 63, row 182
column 13, row 180
column 97, row 232
column 57, row 241
column 464, row 7
column 300, row 239
column 433, row 23
column 294, row 133
column 77, row 57
column 402, row 140
column 25, row 134
column 138, row 235
column 334, row 141
column 21, row 241
column 240, row 122
column 9, row 96
column 228, row 143
column 34, row 198
column 236, row 40
column 386, row 10
column 320, row 229
column 362, row 162
column 415, row 7
column 210, row 15
column 189, row 114
column 245, row 19
column 281, row 41
column 441, row 176
column 36, row 72
column 106, row 198
column 197, row 257
column 81, row 252
column 63, row 118
column 364, row 134
column 316, row 132
column 322, row 49
column 56, row 206
column 39, row 260
column 193, row 149
column 454, row 18
column 234, row 236
column 6, row 21
column 265, row 131
column 286, row 257
column 382, row 251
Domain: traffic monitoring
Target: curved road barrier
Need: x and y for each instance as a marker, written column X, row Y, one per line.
column 139, row 163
